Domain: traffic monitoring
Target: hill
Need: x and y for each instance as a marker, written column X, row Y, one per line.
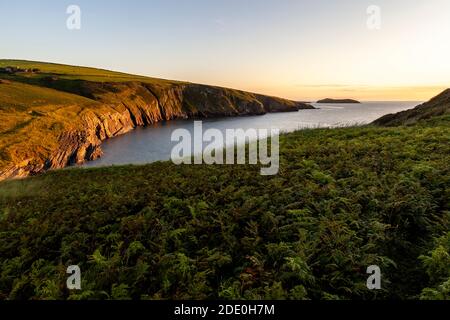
column 328, row 100
column 344, row 199
column 54, row 115
column 438, row 106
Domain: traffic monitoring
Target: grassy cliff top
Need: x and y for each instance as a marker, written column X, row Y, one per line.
column 32, row 117
column 79, row 73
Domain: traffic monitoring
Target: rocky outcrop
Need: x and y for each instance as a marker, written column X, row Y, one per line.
column 274, row 104
column 437, row 106
column 127, row 105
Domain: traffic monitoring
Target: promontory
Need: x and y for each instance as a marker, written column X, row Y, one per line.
column 328, row 100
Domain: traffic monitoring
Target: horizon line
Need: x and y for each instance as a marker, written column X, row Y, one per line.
column 309, row 100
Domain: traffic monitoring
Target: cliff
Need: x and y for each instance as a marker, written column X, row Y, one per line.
column 437, row 106
column 56, row 119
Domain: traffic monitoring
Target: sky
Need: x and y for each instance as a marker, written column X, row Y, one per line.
column 298, row 49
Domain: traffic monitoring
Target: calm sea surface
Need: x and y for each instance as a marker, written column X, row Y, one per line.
column 153, row 143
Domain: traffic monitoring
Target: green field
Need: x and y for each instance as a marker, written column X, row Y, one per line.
column 77, row 73
column 344, row 199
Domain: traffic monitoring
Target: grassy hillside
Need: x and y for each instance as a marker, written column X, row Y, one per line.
column 77, row 73
column 344, row 199
column 32, row 118
column 438, row 106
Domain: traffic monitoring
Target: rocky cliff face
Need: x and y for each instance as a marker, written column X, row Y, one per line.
column 128, row 105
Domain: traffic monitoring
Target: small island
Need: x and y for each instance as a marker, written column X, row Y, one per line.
column 328, row 100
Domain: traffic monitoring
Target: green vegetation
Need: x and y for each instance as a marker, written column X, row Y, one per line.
column 32, row 117
column 344, row 199
column 76, row 73
column 435, row 108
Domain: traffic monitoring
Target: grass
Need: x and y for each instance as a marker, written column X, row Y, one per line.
column 32, row 117
column 344, row 199
column 78, row 73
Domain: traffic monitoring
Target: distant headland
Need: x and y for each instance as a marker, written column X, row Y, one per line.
column 328, row 100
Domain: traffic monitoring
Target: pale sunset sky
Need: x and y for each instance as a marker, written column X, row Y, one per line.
column 297, row 49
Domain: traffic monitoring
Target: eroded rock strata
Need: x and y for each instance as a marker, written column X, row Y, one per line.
column 127, row 105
